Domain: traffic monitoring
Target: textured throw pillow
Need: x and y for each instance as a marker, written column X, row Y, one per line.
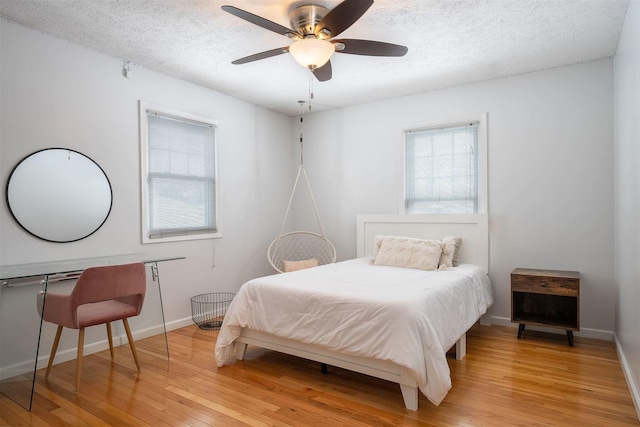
column 409, row 253
column 299, row 265
column 446, row 258
column 457, row 242
column 381, row 238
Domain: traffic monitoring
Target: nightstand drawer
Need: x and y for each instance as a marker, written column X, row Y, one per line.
column 545, row 285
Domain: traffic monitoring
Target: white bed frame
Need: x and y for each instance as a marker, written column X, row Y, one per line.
column 474, row 230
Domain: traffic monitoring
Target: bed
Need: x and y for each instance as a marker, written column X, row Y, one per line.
column 388, row 322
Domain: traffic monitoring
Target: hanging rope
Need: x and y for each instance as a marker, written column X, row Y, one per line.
column 301, row 245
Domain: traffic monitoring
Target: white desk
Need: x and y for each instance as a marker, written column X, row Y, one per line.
column 19, row 387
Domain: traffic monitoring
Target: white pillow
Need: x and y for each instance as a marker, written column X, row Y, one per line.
column 380, row 238
column 451, row 259
column 409, row 253
column 446, row 258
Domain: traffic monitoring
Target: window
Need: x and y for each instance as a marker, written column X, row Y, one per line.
column 444, row 168
column 179, row 185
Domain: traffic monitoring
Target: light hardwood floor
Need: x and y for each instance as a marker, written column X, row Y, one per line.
column 502, row 381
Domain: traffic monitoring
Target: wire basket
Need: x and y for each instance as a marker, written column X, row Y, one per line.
column 208, row 310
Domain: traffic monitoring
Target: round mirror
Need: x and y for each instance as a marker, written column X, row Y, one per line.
column 59, row 195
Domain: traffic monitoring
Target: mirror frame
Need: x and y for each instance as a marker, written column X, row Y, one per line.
column 98, row 170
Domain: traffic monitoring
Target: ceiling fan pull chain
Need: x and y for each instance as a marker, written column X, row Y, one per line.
column 301, row 134
column 310, row 87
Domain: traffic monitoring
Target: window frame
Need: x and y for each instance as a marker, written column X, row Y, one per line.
column 481, row 119
column 144, row 173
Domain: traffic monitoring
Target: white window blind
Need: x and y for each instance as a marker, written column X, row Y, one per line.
column 441, row 170
column 181, row 176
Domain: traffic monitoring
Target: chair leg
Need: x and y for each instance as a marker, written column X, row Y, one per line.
column 131, row 344
column 110, row 337
column 54, row 350
column 79, row 358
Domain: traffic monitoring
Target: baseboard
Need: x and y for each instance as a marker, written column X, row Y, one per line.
column 628, row 375
column 70, row 354
column 180, row 323
column 583, row 332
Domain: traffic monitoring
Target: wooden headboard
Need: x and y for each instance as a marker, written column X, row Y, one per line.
column 472, row 228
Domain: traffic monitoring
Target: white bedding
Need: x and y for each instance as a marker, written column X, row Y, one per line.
column 407, row 316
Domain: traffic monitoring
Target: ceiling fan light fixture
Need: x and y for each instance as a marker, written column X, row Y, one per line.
column 311, row 52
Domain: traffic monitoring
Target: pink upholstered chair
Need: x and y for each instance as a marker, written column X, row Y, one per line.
column 101, row 295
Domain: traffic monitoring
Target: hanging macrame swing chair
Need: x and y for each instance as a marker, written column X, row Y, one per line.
column 301, row 245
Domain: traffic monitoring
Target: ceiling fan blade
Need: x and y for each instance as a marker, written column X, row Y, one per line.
column 341, row 17
column 262, row 55
column 370, row 48
column 258, row 20
column 323, row 73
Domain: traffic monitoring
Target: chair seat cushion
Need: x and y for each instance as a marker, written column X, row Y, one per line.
column 102, row 312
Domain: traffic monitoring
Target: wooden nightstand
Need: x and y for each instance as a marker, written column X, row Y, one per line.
column 548, row 298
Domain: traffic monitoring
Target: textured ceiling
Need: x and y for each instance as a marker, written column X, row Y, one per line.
column 450, row 43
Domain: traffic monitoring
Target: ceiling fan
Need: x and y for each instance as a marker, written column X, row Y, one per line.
column 313, row 30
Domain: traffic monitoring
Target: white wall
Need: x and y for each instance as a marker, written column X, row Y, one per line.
column 627, row 196
column 550, row 150
column 57, row 94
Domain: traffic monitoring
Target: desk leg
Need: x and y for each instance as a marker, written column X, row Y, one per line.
column 45, row 284
column 156, row 278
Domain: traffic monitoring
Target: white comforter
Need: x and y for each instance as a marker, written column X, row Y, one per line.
column 410, row 317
